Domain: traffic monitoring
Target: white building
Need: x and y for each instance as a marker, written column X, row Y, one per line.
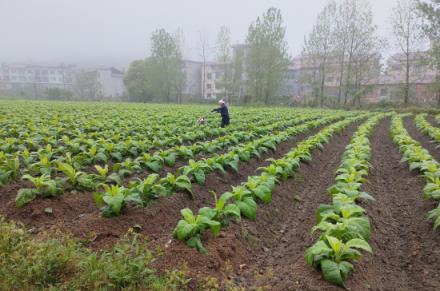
column 35, row 79
column 111, row 82
column 212, row 73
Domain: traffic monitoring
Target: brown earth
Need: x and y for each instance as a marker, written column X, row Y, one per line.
column 278, row 238
column 424, row 140
column 268, row 253
column 77, row 213
column 406, row 254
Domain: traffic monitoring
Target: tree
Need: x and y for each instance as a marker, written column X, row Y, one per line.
column 167, row 77
column 238, row 59
column 342, row 48
column 86, row 86
column 267, row 59
column 357, row 42
column 204, row 47
column 137, row 81
column 59, row 94
column 319, row 46
column 407, row 25
column 431, row 28
column 224, row 57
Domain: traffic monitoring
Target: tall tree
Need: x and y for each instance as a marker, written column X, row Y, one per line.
column 204, row 52
column 344, row 47
column 224, row 57
column 238, row 69
column 357, row 24
column 137, row 81
column 319, row 46
column 166, row 60
column 431, row 28
column 407, row 25
column 86, row 86
column 267, row 58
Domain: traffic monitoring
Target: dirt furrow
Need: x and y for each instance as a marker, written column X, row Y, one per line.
column 424, row 140
column 276, row 241
column 406, row 249
column 78, row 214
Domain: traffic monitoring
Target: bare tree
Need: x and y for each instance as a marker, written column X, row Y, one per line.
column 224, row 57
column 407, row 25
column 204, row 47
column 319, row 45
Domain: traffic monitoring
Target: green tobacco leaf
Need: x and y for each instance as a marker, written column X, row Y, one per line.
column 359, row 244
column 25, row 196
column 154, row 166
column 232, row 210
column 184, row 183
column 184, row 230
column 115, row 202
column 188, row 215
column 199, row 176
column 196, row 242
column 115, row 178
column 318, row 250
column 208, row 212
column 264, row 193
column 248, row 208
column 170, row 160
column 335, row 273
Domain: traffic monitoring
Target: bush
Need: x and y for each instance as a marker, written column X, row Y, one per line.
column 59, row 262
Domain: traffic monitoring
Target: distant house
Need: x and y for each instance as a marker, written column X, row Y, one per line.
column 389, row 86
column 32, row 81
column 111, row 82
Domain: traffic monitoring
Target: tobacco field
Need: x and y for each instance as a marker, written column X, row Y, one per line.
column 97, row 196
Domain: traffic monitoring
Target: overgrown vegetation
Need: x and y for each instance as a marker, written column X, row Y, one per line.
column 58, row 262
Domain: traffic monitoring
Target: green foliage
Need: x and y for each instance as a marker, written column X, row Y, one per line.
column 44, row 187
column 59, row 262
column 343, row 225
column 244, row 197
column 419, row 158
column 332, row 256
column 191, row 227
column 268, row 50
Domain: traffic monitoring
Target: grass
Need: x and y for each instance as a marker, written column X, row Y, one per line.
column 59, row 262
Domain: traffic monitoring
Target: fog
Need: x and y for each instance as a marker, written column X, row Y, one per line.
column 115, row 32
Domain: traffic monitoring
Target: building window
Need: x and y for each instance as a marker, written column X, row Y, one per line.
column 209, row 95
column 209, row 86
column 383, row 92
column 209, row 76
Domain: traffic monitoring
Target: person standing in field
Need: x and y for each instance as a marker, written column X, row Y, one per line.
column 223, row 110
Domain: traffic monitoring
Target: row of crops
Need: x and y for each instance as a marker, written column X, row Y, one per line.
column 131, row 155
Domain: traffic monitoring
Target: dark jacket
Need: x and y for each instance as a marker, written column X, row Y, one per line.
column 223, row 111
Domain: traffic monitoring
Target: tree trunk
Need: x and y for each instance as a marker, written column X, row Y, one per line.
column 321, row 93
column 407, row 80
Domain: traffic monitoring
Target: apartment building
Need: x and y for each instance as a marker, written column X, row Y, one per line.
column 390, row 85
column 35, row 79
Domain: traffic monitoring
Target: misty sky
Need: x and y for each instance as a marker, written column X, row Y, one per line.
column 115, row 32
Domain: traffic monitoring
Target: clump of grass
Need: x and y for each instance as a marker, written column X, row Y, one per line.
column 61, row 263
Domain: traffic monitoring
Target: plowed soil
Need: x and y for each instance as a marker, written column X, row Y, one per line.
column 267, row 254
column 77, row 214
